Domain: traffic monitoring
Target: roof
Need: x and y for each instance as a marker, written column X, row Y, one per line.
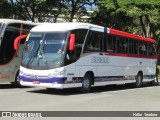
column 8, row 21
column 129, row 35
column 48, row 27
column 51, row 27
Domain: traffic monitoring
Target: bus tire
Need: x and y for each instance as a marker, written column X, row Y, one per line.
column 17, row 82
column 86, row 84
column 139, row 79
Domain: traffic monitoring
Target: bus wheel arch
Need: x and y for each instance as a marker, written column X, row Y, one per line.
column 92, row 76
column 87, row 81
column 139, row 79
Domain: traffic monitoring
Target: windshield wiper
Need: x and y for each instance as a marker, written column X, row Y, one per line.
column 34, row 55
column 42, row 53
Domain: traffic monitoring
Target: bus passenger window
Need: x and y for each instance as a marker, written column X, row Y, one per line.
column 136, row 47
column 121, row 45
column 151, row 49
column 142, row 48
column 124, row 47
column 94, row 42
column 109, row 43
column 80, row 35
column 131, row 46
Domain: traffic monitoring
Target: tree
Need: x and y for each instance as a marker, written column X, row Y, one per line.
column 136, row 16
column 111, row 14
column 145, row 14
column 74, row 7
column 5, row 9
column 34, row 9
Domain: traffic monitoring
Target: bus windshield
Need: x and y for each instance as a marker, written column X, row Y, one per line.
column 44, row 50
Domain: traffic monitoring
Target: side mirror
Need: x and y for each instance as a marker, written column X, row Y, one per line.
column 72, row 42
column 17, row 40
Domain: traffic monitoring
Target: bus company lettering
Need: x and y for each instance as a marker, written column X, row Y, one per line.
column 100, row 60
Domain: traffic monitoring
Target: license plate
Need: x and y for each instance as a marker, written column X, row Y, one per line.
column 36, row 82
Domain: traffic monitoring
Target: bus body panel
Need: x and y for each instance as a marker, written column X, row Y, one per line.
column 103, row 68
column 106, row 67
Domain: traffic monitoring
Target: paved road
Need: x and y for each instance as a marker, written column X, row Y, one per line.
column 108, row 98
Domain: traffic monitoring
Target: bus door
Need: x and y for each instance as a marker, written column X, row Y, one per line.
column 94, row 55
column 74, row 52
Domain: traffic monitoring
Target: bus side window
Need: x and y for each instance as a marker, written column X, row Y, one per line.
column 119, row 44
column 114, row 43
column 145, row 48
column 142, row 48
column 109, row 43
column 12, row 31
column 6, row 47
column 151, row 49
column 125, row 45
column 136, row 47
column 131, row 46
column 80, row 35
column 94, row 44
column 122, row 45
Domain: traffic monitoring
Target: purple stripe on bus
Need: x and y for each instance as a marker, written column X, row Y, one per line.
column 63, row 80
column 47, row 80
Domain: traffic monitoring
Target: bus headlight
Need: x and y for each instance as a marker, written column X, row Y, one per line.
column 57, row 73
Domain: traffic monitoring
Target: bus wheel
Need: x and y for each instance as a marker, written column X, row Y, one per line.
column 139, row 80
column 17, row 82
column 86, row 84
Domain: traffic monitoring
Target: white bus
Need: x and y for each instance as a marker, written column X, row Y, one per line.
column 81, row 55
column 9, row 59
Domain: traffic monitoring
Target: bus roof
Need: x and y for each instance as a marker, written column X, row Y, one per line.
column 8, row 21
column 50, row 27
column 129, row 35
column 64, row 27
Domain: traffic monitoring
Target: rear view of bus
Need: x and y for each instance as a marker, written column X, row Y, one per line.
column 10, row 60
column 67, row 55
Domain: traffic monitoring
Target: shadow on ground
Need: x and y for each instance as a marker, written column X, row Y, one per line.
column 95, row 90
column 11, row 86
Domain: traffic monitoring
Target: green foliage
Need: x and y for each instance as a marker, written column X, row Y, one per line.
column 48, row 9
column 33, row 9
column 75, row 8
column 110, row 14
column 5, row 8
column 137, row 16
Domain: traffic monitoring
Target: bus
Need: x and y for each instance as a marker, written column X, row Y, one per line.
column 82, row 55
column 9, row 58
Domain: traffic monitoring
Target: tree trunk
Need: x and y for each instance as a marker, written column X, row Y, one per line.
column 143, row 26
column 151, row 28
